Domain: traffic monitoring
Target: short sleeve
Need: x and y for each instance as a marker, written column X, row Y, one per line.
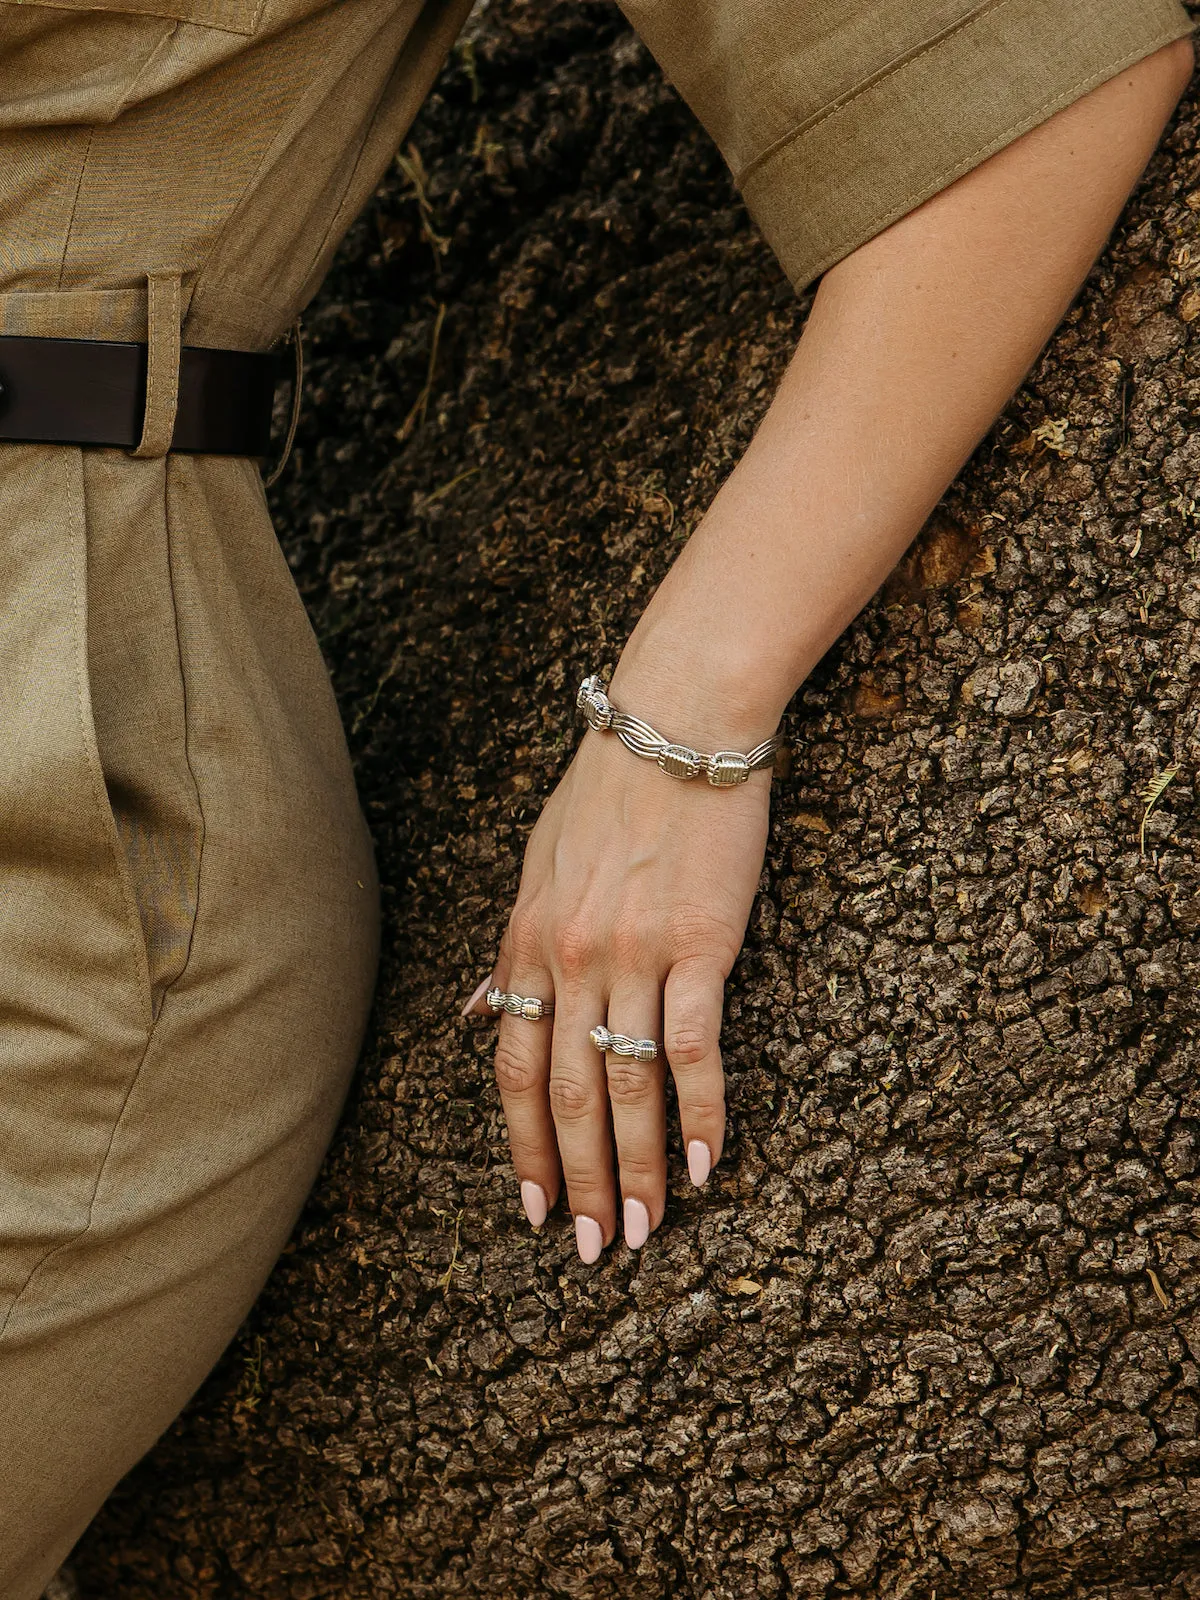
column 839, row 116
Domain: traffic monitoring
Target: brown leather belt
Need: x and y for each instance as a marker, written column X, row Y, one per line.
column 92, row 392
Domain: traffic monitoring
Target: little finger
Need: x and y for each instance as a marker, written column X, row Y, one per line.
column 692, row 1002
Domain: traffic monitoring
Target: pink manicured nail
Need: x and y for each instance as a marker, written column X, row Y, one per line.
column 533, row 1198
column 637, row 1224
column 476, row 997
column 589, row 1239
column 699, row 1162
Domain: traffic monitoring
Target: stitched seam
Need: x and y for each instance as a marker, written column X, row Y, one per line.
column 48, row 1256
column 153, row 358
column 897, row 64
column 132, row 87
column 70, row 233
column 168, row 467
column 99, row 788
column 947, row 175
column 342, row 206
column 174, row 362
column 243, row 30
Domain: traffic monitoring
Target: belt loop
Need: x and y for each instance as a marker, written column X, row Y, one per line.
column 163, row 306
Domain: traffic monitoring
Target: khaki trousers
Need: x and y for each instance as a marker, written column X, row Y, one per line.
column 188, row 934
column 187, row 901
column 188, row 905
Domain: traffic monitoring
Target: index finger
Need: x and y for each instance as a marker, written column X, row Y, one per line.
column 522, row 1067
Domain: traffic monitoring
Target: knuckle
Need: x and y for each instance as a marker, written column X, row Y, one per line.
column 640, row 1176
column 697, row 935
column 587, row 1190
column 525, row 936
column 627, row 1085
column 628, row 945
column 689, row 1042
column 570, row 1099
column 516, row 1072
column 708, row 1111
column 575, row 947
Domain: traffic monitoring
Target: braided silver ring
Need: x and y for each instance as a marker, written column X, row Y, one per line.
column 519, row 1005
column 619, row 1044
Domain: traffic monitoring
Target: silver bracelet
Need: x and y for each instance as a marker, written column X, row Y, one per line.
column 723, row 769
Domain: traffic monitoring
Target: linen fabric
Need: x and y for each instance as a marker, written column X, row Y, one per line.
column 837, row 117
column 188, row 910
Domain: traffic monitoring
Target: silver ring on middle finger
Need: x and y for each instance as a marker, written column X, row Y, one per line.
column 633, row 1070
column 620, row 1044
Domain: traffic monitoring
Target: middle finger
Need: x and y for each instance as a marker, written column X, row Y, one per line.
column 579, row 1104
column 639, row 1115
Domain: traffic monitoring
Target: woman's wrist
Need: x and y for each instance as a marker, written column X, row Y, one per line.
column 712, row 699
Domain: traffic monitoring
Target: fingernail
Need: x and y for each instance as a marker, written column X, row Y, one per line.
column 476, row 997
column 699, row 1162
column 533, row 1198
column 589, row 1239
column 637, row 1224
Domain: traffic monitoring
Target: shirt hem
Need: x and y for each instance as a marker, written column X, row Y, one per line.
column 913, row 129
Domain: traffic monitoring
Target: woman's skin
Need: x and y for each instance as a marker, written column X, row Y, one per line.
column 636, row 888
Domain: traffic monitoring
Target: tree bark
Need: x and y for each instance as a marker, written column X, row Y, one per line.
column 934, row 1326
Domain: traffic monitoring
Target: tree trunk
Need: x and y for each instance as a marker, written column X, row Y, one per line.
column 933, row 1328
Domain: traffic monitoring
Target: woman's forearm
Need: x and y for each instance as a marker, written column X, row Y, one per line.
column 914, row 344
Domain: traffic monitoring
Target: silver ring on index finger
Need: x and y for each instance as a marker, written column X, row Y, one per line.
column 519, row 1005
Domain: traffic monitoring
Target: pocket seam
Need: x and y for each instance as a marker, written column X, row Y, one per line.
column 91, row 744
column 185, row 690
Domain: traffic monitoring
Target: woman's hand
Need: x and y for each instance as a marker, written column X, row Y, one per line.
column 633, row 904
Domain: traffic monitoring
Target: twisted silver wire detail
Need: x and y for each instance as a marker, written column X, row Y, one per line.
column 620, row 1044
column 519, row 1005
column 723, row 769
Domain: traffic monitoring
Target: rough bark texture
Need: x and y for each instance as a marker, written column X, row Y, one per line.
column 935, row 1326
